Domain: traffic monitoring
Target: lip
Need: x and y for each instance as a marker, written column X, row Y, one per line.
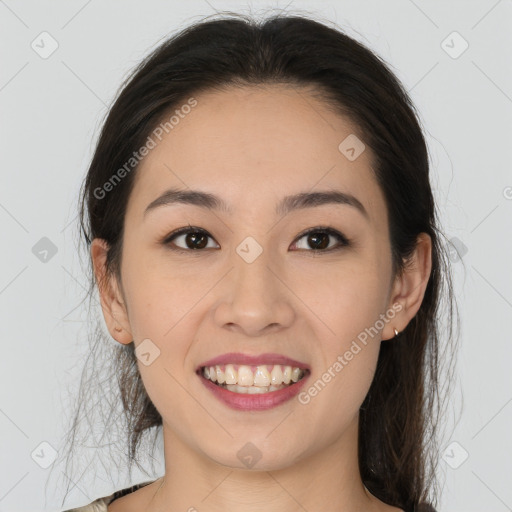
column 256, row 402
column 246, row 359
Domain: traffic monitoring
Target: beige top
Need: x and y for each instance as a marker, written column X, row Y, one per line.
column 101, row 504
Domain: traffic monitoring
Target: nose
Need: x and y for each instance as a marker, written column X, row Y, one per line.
column 254, row 299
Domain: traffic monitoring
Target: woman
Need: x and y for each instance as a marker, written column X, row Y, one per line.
column 265, row 242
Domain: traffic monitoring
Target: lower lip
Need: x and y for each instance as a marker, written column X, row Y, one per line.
column 256, row 402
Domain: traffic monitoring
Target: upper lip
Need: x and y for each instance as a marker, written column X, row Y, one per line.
column 246, row 359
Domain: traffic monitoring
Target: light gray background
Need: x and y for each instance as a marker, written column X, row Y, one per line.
column 50, row 111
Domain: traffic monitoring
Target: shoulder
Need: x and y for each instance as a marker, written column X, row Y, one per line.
column 101, row 504
column 98, row 505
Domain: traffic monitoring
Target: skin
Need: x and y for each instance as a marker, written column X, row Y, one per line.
column 251, row 147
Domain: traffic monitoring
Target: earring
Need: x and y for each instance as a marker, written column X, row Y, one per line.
column 396, row 332
column 118, row 329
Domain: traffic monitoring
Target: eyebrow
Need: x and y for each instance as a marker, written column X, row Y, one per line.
column 286, row 205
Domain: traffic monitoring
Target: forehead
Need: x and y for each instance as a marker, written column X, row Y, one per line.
column 252, row 145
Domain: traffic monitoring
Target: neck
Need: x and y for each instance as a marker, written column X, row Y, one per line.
column 326, row 479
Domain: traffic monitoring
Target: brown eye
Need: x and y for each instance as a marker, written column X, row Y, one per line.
column 190, row 239
column 318, row 239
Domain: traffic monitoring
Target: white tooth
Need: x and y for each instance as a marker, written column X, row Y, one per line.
column 206, row 372
column 245, row 376
column 287, row 374
column 262, row 377
column 213, row 374
column 230, row 374
column 254, row 390
column 220, row 375
column 296, row 374
column 276, row 377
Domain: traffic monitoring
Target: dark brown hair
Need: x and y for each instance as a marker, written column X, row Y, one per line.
column 400, row 415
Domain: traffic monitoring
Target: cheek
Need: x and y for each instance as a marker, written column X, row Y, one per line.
column 349, row 303
column 347, row 297
column 351, row 384
column 163, row 308
column 158, row 296
column 346, row 369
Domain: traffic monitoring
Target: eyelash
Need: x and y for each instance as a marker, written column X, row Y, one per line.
column 344, row 241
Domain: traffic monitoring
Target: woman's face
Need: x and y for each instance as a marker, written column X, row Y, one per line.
column 255, row 284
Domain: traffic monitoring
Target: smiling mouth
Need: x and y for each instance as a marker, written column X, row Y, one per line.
column 245, row 379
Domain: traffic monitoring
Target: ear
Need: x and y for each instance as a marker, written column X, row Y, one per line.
column 112, row 304
column 409, row 288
